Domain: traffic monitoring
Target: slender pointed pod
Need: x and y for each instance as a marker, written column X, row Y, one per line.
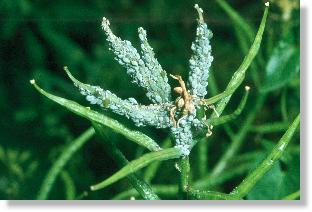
column 201, row 59
column 141, row 74
column 239, row 74
column 234, row 115
column 251, row 180
column 141, row 115
column 138, row 164
column 135, row 136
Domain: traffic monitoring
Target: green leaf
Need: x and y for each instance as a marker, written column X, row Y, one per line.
column 291, row 180
column 266, row 188
column 285, row 181
column 138, row 164
column 283, row 66
column 135, row 136
column 254, row 177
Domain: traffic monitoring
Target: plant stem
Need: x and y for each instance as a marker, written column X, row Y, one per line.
column 61, row 161
column 184, row 176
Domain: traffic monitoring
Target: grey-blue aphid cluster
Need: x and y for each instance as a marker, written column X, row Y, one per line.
column 146, row 72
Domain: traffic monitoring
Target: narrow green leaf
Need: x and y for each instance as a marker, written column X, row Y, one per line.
column 61, row 161
column 283, row 66
column 250, row 181
column 135, row 136
column 142, row 187
column 138, row 164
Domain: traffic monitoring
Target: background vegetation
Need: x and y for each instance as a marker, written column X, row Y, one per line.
column 37, row 38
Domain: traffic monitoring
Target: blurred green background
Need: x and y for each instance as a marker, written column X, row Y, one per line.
column 38, row 38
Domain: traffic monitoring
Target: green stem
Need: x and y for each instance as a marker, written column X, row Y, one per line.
column 250, row 181
column 184, row 176
column 202, row 157
column 61, row 161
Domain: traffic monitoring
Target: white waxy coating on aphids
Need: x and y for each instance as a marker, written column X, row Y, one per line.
column 146, row 71
column 201, row 59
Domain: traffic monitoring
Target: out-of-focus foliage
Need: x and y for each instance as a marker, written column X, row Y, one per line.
column 37, row 38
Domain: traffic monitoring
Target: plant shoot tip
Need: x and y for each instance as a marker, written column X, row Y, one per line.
column 267, row 4
column 32, row 81
column 247, row 88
